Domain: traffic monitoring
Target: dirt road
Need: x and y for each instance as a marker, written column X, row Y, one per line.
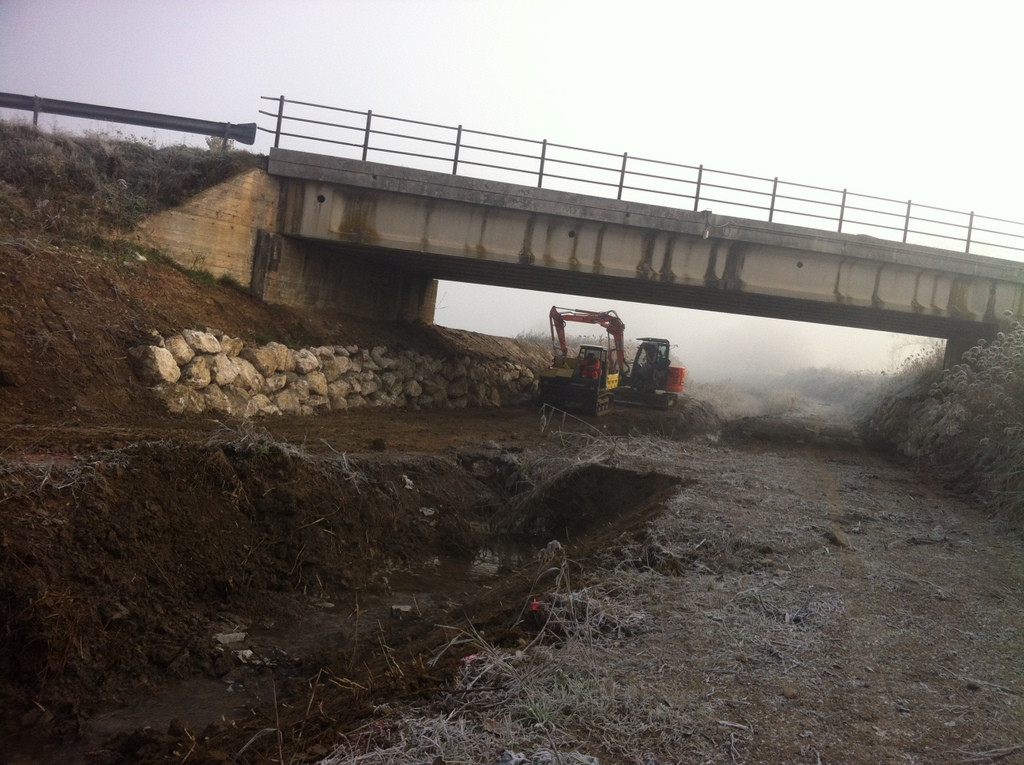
column 776, row 596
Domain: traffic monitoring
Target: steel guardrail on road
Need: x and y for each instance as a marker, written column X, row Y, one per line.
column 462, row 151
column 224, row 130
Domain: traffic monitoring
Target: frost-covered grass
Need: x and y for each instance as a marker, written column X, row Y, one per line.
column 967, row 420
column 80, row 186
column 982, row 422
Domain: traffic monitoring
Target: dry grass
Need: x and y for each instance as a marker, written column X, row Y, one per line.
column 250, row 439
column 79, row 187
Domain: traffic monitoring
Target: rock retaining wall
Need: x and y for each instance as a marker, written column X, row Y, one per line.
column 194, row 372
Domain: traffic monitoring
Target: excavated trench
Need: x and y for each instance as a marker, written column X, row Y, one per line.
column 164, row 587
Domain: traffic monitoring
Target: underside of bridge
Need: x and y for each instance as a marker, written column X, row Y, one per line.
column 385, row 283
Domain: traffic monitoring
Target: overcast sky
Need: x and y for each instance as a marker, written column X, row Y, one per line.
column 906, row 100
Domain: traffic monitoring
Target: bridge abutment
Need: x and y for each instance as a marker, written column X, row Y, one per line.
column 302, row 274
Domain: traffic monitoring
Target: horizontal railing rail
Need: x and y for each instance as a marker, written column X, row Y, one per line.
column 561, row 167
column 224, row 130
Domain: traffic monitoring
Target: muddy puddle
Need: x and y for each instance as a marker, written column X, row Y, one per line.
column 267, row 655
column 251, row 658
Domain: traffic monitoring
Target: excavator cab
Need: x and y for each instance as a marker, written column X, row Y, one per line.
column 650, row 367
column 592, row 365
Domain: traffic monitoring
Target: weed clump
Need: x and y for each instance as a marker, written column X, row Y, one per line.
column 967, row 420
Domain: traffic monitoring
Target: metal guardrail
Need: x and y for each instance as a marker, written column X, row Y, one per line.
column 224, row 130
column 561, row 167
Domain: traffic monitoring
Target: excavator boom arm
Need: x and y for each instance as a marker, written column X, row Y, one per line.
column 607, row 319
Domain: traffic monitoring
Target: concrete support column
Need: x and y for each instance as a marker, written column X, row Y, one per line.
column 957, row 346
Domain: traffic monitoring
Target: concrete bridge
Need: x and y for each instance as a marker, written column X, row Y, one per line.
column 372, row 240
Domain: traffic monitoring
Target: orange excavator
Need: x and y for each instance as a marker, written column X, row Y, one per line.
column 598, row 375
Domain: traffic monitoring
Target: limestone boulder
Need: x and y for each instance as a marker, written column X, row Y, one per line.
column 337, row 391
column 493, row 397
column 391, row 383
column 153, row 364
column 179, row 399
column 249, row 378
column 405, row 367
column 317, row 383
column 274, row 383
column 287, row 401
column 306, row 361
column 434, row 386
column 300, row 388
column 452, row 370
column 380, row 357
column 264, row 405
column 242, row 404
column 215, row 400
column 196, row 373
column 180, row 350
column 223, row 369
column 263, row 358
column 317, row 402
column 201, row 342
column 285, row 357
column 335, row 366
column 231, row 346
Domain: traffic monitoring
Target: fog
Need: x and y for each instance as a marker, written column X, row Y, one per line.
column 712, row 346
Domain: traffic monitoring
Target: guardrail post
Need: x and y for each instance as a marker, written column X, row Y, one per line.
column 366, row 137
column 543, row 156
column 280, row 119
column 622, row 174
column 775, row 189
column 906, row 223
column 38, row 106
column 970, row 230
column 696, row 194
column 842, row 211
column 458, row 143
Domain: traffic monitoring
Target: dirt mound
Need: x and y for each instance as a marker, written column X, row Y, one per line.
column 117, row 570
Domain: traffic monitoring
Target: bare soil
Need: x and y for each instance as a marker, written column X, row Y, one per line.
column 187, row 589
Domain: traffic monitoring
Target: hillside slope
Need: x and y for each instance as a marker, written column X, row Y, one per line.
column 76, row 293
